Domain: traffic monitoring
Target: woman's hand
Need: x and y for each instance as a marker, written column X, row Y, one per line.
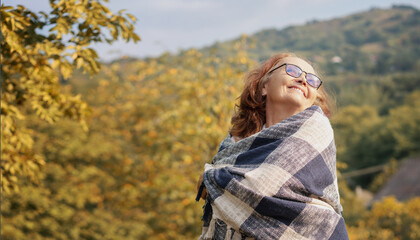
column 204, row 192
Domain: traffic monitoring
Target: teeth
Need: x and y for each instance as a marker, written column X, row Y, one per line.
column 298, row 90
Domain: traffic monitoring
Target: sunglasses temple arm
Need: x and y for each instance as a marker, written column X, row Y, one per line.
column 274, row 69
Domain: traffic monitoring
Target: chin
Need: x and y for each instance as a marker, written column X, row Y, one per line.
column 299, row 104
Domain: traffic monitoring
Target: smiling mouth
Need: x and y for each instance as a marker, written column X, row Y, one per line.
column 299, row 90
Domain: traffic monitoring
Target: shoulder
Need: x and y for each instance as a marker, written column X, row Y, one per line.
column 229, row 140
column 316, row 129
column 318, row 119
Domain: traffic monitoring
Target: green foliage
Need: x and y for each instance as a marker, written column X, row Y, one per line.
column 361, row 140
column 378, row 41
column 364, row 138
column 403, row 124
column 32, row 65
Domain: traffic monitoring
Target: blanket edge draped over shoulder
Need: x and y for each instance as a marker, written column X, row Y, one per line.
column 279, row 183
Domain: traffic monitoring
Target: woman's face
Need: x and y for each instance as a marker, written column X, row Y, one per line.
column 284, row 91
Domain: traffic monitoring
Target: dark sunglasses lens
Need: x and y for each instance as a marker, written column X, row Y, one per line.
column 313, row 80
column 293, row 71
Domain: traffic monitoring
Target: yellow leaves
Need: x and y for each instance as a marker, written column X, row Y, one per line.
column 149, row 164
column 103, row 83
column 66, row 69
column 128, row 161
column 389, row 219
column 152, row 134
column 207, row 120
column 32, row 66
column 186, row 201
column 172, row 71
column 388, row 208
column 62, row 27
column 178, row 125
column 187, row 159
column 243, row 60
column 80, row 62
column 413, row 206
column 148, row 137
column 5, row 8
column 12, row 19
column 341, row 165
column 131, row 17
column 55, row 64
column 153, row 92
column 14, row 42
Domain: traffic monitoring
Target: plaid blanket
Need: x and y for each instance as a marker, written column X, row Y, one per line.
column 279, row 183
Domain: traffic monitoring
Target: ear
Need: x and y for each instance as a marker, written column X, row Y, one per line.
column 264, row 89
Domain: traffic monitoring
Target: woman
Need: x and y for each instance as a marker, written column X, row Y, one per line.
column 274, row 176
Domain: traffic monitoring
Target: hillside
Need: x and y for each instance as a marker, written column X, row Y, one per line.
column 375, row 41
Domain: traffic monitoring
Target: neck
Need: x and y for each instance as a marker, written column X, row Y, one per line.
column 276, row 114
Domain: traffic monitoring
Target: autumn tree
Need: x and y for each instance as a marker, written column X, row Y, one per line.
column 389, row 219
column 153, row 125
column 38, row 50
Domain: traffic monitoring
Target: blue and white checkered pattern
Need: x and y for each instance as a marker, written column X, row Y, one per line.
column 279, row 183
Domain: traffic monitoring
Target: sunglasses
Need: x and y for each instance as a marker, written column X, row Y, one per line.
column 295, row 71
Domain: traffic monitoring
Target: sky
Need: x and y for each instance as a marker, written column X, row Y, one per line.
column 173, row 25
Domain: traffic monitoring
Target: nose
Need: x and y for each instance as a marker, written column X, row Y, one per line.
column 301, row 79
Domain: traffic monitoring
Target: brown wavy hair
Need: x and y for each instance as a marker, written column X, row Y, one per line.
column 249, row 116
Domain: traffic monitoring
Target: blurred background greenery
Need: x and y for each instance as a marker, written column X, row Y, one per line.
column 95, row 150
